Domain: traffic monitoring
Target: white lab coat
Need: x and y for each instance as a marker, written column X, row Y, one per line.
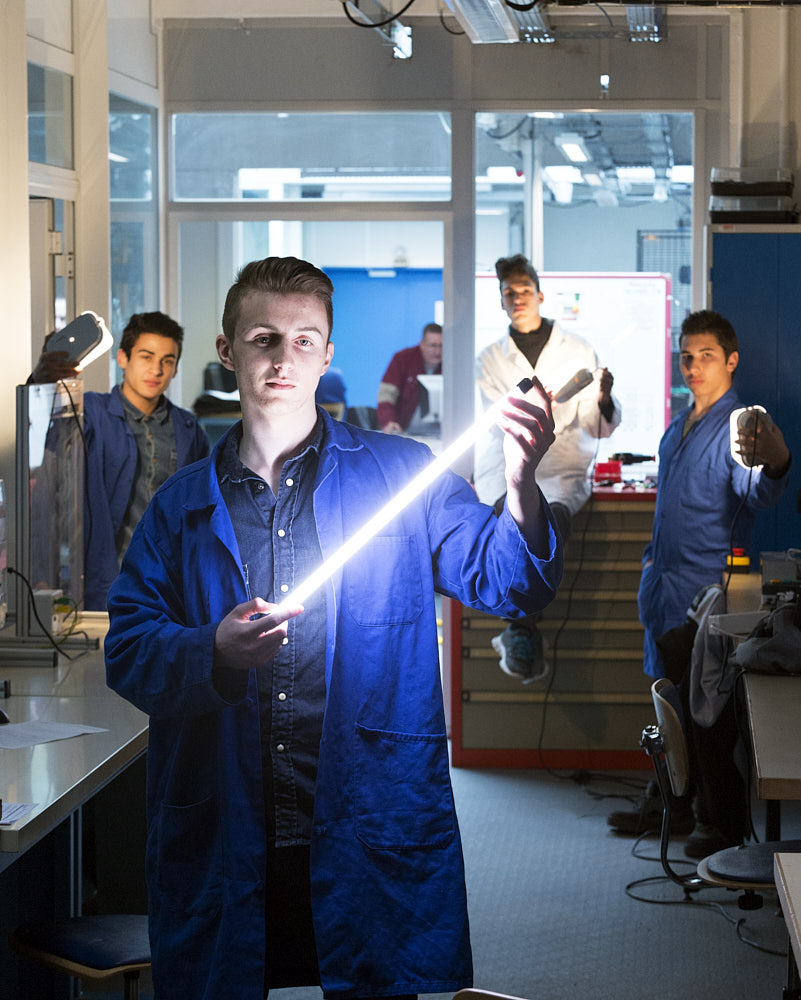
column 562, row 474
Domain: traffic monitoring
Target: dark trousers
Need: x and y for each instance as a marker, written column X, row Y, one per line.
column 716, row 782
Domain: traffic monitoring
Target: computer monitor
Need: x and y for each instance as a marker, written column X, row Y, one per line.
column 432, row 406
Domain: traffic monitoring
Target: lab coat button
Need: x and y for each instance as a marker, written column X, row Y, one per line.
column 282, row 695
column 284, row 588
column 290, row 482
column 281, row 532
column 280, row 747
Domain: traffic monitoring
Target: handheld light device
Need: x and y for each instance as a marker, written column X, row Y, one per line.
column 401, row 499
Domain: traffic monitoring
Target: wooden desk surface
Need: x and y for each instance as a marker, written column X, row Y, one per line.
column 60, row 775
column 774, row 711
column 787, row 871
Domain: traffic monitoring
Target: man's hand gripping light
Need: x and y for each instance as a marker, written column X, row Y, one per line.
column 402, row 499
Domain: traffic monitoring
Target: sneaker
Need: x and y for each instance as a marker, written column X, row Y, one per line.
column 521, row 652
column 647, row 815
column 705, row 840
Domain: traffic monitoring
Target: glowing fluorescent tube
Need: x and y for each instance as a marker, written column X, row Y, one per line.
column 401, row 499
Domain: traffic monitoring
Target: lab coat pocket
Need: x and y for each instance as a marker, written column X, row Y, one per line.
column 403, row 791
column 188, row 875
column 383, row 582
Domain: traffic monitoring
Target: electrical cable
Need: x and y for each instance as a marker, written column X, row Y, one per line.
column 58, row 646
column 374, row 24
column 445, row 26
column 605, row 13
column 87, row 507
column 574, row 775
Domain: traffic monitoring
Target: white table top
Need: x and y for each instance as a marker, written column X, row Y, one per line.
column 787, row 871
column 774, row 711
column 60, row 775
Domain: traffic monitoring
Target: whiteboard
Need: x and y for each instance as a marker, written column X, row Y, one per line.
column 626, row 318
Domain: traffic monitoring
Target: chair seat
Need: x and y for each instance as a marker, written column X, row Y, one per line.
column 747, row 863
column 91, row 946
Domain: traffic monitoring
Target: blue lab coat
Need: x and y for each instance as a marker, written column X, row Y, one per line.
column 388, row 893
column 701, row 489
column 111, row 470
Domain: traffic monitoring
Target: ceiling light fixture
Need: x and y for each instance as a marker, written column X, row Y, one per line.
column 485, row 20
column 572, row 147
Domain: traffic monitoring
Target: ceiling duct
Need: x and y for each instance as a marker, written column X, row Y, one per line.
column 489, row 20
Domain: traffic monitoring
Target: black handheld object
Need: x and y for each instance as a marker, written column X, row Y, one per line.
column 79, row 337
column 525, row 385
column 580, row 380
column 629, row 458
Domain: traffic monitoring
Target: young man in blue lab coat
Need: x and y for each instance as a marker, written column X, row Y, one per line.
column 135, row 439
column 301, row 821
column 706, row 501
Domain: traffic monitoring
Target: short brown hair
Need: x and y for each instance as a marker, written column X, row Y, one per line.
column 517, row 266
column 706, row 321
column 153, row 322
column 282, row 276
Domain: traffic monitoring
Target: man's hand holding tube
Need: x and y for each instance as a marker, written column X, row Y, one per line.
column 251, row 634
column 527, row 423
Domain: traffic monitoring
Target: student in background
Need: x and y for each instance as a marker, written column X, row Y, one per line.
column 705, row 505
column 399, row 395
column 135, row 439
column 331, row 393
column 534, row 344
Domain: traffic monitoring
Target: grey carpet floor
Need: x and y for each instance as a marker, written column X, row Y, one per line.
column 550, row 915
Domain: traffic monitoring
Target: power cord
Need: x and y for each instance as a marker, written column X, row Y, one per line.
column 578, row 776
column 373, row 24
column 58, row 646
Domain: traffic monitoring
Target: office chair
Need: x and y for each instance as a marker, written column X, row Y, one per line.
column 747, row 868
column 92, row 947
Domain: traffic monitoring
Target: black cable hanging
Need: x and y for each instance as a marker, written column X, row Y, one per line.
column 374, row 24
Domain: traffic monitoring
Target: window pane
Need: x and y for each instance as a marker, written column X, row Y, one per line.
column 403, row 156
column 49, row 116
column 132, row 139
column 134, row 210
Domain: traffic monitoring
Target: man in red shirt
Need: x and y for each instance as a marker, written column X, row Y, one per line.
column 399, row 391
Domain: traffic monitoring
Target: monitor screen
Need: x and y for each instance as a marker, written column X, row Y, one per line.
column 431, row 408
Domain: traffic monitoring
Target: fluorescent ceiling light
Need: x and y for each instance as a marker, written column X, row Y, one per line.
column 562, row 174
column 572, row 146
column 636, row 175
column 682, row 174
column 503, row 175
column 593, row 179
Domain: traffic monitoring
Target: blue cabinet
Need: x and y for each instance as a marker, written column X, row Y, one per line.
column 755, row 281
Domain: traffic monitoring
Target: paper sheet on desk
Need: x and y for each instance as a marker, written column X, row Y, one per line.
column 27, row 734
column 12, row 811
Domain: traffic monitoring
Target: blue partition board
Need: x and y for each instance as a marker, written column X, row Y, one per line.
column 756, row 284
column 376, row 313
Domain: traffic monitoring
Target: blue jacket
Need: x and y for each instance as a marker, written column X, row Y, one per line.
column 701, row 489
column 111, row 468
column 388, row 892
